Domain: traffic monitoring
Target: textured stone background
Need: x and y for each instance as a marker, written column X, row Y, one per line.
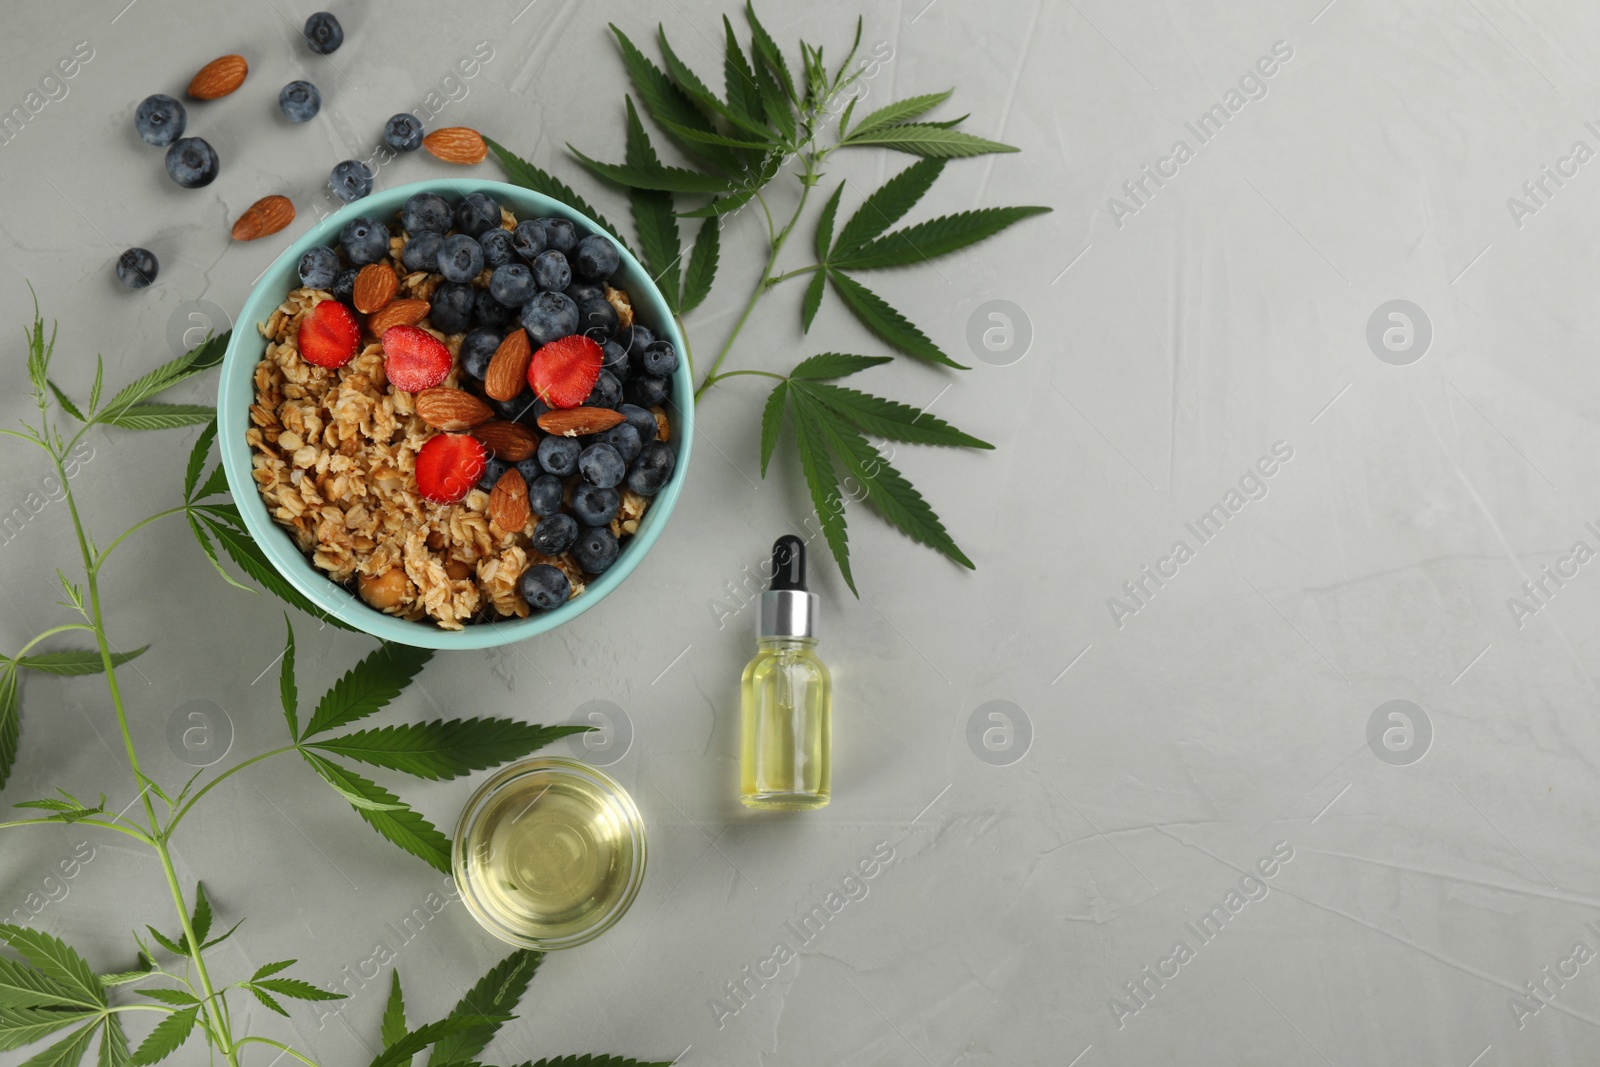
column 1155, row 755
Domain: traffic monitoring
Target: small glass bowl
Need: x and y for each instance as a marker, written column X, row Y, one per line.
column 591, row 831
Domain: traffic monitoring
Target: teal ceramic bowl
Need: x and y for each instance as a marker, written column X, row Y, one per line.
column 236, row 392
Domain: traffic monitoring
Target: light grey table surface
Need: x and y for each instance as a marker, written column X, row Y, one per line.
column 1158, row 750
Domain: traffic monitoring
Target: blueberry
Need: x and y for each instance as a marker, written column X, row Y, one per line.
column 477, row 213
column 596, row 549
column 497, row 250
column 529, row 469
column 528, row 238
column 299, row 101
column 364, row 240
column 645, row 391
column 560, row 235
column 555, row 534
column 493, row 471
column 551, row 271
column 641, row 420
column 596, row 317
column 324, row 35
column 426, row 212
column 460, row 258
column 512, row 284
column 660, row 360
column 514, row 410
column 487, row 311
column 544, row 587
column 191, row 162
column 581, row 291
column 319, row 267
column 624, row 437
column 651, row 471
column 594, row 506
column 530, row 413
column 545, row 494
column 137, row 267
column 160, row 119
column 351, row 180
column 403, row 132
column 595, row 259
column 607, row 392
column 636, row 339
column 477, row 349
column 559, row 455
column 344, row 284
column 614, row 358
column 422, row 251
column 550, row 316
column 451, row 307
column 602, row 465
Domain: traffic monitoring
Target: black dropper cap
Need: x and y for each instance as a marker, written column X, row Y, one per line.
column 788, row 564
column 787, row 608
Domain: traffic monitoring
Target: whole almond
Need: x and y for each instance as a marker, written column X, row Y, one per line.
column 451, row 409
column 219, row 77
column 509, row 441
column 508, row 370
column 508, row 501
column 267, row 215
column 397, row 313
column 574, row 422
column 457, row 144
column 375, row 286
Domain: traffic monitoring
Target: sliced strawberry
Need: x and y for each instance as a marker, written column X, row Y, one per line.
column 414, row 359
column 448, row 465
column 563, row 372
column 329, row 336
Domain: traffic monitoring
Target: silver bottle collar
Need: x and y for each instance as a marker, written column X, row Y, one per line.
column 788, row 613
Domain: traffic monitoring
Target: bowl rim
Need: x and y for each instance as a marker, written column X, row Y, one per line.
column 236, row 392
column 567, row 766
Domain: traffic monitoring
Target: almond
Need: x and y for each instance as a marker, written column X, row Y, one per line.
column 457, row 144
column 375, row 286
column 508, row 501
column 219, row 77
column 451, row 409
column 509, row 441
column 508, row 370
column 573, row 422
column 396, row 313
column 267, row 215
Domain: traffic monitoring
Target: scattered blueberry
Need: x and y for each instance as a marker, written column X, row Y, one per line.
column 594, row 506
column 364, row 240
column 613, row 358
column 596, row 317
column 555, row 534
column 323, row 33
column 487, row 311
column 559, row 455
column 160, row 119
column 137, row 267
column 660, row 360
column 607, row 392
column 426, row 212
column 451, row 307
column 497, row 249
column 319, row 267
column 422, row 251
column 403, row 132
column 529, row 469
column 513, row 410
column 652, row 469
column 645, row 391
column 636, row 339
column 493, row 471
column 477, row 213
column 595, row 259
column 551, row 271
column 528, row 238
column 581, row 291
column 560, row 235
column 545, row 494
column 512, row 283
column 596, row 549
column 351, row 180
column 344, row 285
column 624, row 437
column 550, row 316
column 602, row 465
column 299, row 101
column 641, row 420
column 477, row 349
column 460, row 258
column 192, row 162
column 544, row 587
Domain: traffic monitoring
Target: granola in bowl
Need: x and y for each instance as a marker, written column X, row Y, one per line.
column 517, row 341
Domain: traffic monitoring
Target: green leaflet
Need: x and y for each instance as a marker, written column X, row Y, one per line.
column 700, row 94
column 56, row 960
column 493, row 997
column 902, row 111
column 393, row 1027
column 24, row 1026
column 888, row 419
column 197, row 458
column 595, row 1060
column 75, row 662
column 67, row 1052
column 828, row 365
column 654, row 218
column 368, row 686
column 440, row 749
column 744, row 92
column 113, row 1043
column 772, row 423
column 926, row 139
column 702, row 268
column 890, row 326
column 936, row 237
column 414, row 1041
column 665, row 103
column 823, row 481
column 66, row 404
column 202, row 357
column 288, row 689
column 825, row 224
column 660, row 177
column 384, row 812
column 886, row 206
column 10, row 721
column 170, row 1033
column 812, row 303
column 224, row 523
